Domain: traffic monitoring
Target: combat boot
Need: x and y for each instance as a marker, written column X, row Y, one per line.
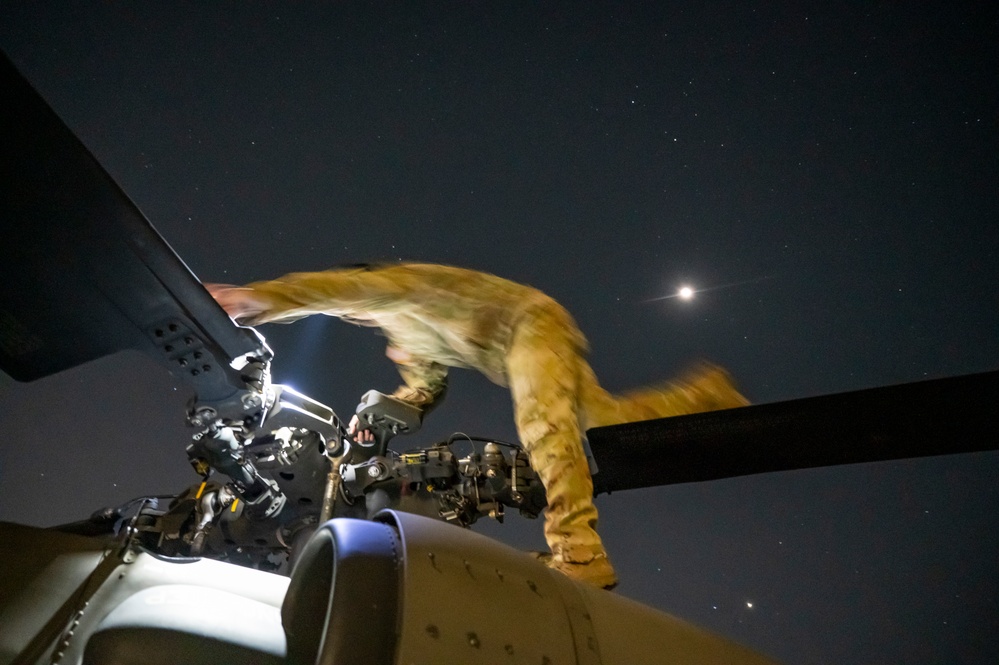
column 597, row 571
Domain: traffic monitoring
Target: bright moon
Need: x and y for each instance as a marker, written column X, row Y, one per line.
column 686, row 293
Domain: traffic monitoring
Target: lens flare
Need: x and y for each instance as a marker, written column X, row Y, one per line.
column 687, row 292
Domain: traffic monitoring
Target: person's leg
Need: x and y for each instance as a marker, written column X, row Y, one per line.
column 542, row 369
column 706, row 388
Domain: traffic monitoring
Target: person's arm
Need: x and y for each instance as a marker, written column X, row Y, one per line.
column 424, row 384
column 297, row 295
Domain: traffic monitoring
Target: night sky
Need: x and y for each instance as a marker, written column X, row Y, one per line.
column 826, row 175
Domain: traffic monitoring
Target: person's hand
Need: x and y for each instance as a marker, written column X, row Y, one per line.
column 361, row 436
column 238, row 301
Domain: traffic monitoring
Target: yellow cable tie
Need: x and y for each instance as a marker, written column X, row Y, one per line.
column 235, row 502
column 201, row 490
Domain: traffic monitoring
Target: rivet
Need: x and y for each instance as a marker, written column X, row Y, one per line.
column 433, row 631
column 473, row 640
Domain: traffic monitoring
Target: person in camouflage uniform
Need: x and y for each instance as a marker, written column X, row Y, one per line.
column 437, row 317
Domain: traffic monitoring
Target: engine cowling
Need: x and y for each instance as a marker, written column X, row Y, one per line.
column 407, row 589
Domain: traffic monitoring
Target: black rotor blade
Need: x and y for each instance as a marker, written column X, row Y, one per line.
column 84, row 274
column 938, row 417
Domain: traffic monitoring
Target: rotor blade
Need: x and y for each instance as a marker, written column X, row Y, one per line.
column 84, row 273
column 938, row 417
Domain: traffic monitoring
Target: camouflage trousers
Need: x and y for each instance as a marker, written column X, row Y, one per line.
column 556, row 397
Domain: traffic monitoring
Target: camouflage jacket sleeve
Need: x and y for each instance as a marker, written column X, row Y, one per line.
column 302, row 294
column 424, row 384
